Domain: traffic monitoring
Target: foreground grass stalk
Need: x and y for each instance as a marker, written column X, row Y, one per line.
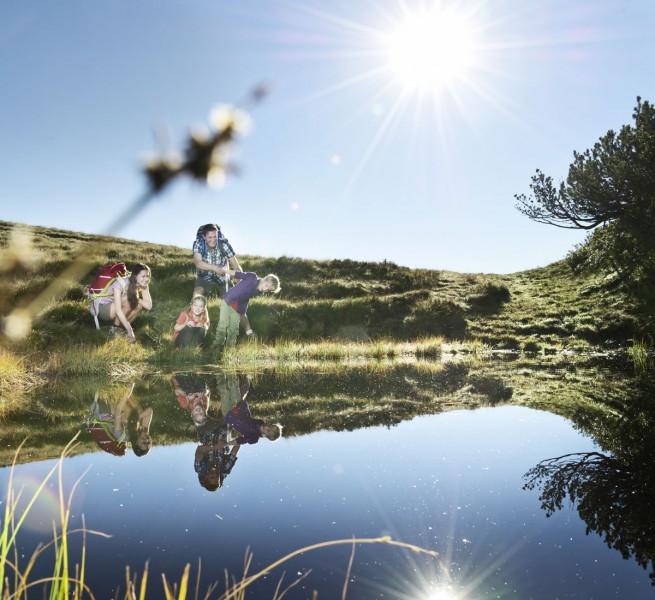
column 63, row 583
column 10, row 526
column 239, row 588
column 348, row 571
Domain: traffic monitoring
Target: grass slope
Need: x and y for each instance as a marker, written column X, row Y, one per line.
column 545, row 309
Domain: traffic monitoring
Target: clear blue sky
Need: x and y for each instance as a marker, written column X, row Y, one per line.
column 351, row 156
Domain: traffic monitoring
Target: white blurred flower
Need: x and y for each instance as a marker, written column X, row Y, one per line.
column 224, row 116
column 17, row 325
column 216, row 178
column 19, row 250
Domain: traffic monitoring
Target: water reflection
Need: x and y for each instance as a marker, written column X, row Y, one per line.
column 118, row 421
column 193, row 394
column 237, row 412
column 421, row 466
column 222, row 427
column 214, row 458
column 614, row 491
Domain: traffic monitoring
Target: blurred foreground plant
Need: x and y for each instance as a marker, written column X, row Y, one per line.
column 14, row 578
column 66, row 582
column 206, row 158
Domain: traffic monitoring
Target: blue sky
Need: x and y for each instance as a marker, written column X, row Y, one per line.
column 348, row 158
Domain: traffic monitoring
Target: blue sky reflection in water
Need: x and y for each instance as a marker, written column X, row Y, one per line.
column 450, row 482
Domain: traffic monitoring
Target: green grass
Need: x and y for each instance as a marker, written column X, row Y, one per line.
column 325, row 307
column 642, row 355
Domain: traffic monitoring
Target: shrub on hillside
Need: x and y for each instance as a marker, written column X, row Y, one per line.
column 415, row 279
column 435, row 316
column 370, row 316
column 285, row 267
column 492, row 387
column 490, row 298
column 319, row 290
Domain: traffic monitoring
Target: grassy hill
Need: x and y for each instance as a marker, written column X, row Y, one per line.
column 335, row 301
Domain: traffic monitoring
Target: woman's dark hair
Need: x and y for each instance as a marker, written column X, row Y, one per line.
column 132, row 287
column 133, row 431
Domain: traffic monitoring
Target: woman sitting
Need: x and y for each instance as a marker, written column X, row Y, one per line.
column 128, row 297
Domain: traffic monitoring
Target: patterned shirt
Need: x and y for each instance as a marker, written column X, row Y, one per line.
column 122, row 284
column 212, row 432
column 239, row 418
column 218, row 256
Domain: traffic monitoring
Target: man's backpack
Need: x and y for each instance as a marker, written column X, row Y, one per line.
column 200, row 237
column 101, row 436
column 98, row 288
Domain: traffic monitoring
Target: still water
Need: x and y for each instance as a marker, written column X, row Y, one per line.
column 447, row 472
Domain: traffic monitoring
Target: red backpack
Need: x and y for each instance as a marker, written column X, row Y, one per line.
column 101, row 282
column 100, row 434
column 98, row 426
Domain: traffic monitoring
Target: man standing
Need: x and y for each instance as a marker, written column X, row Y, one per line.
column 212, row 254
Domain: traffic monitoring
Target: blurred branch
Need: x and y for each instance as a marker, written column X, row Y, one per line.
column 205, row 158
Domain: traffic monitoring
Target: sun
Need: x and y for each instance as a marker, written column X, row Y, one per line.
column 431, row 49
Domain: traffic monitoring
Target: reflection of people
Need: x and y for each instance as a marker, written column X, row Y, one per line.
column 116, row 424
column 232, row 388
column 211, row 254
column 235, row 304
column 250, row 429
column 128, row 297
column 213, row 459
column 192, row 324
column 192, row 393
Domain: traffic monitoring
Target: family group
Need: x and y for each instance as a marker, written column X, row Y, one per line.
column 217, row 266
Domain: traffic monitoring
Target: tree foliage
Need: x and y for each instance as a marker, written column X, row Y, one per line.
column 613, row 498
column 610, row 191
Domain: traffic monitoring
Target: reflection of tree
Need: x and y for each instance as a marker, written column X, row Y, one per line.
column 615, row 499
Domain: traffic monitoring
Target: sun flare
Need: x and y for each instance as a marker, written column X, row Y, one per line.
column 429, row 50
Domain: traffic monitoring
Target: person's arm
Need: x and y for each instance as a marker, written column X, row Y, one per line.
column 181, row 322
column 201, row 451
column 234, row 263
column 203, row 266
column 146, row 300
column 145, row 418
column 118, row 410
column 245, row 323
column 231, row 460
column 120, row 315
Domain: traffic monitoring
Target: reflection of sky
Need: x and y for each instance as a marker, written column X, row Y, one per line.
column 450, row 482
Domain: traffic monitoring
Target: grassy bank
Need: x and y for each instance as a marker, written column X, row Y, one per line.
column 327, row 310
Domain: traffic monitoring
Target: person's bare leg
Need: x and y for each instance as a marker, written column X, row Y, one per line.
column 133, row 314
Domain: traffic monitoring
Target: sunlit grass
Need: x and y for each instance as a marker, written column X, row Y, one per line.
column 117, row 358
column 16, row 379
column 283, row 352
column 642, row 355
column 330, row 311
